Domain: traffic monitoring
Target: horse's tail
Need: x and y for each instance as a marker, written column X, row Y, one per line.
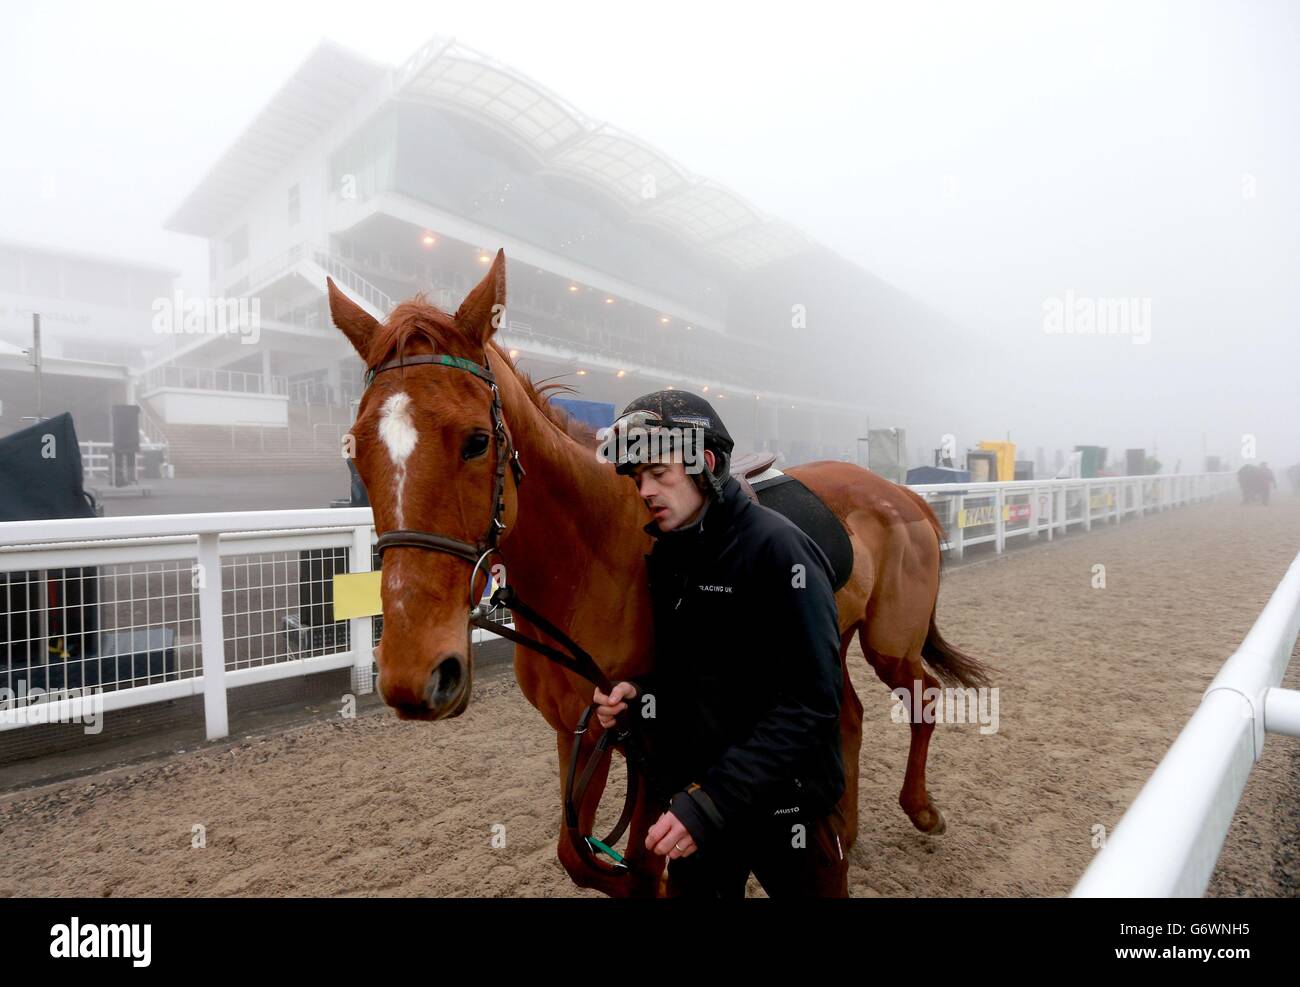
column 952, row 663
column 949, row 663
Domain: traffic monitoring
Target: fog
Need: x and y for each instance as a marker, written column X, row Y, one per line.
column 996, row 162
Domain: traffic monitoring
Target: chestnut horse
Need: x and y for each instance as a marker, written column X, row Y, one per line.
column 573, row 549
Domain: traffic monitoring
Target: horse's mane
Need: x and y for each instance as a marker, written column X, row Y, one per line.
column 418, row 317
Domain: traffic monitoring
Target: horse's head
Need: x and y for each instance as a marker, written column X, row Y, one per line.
column 425, row 447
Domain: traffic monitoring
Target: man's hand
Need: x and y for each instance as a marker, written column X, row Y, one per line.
column 669, row 838
column 608, row 707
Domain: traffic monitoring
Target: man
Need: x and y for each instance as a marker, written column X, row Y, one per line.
column 743, row 706
column 1266, row 482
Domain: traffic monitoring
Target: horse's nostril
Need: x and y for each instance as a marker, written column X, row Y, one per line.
column 445, row 682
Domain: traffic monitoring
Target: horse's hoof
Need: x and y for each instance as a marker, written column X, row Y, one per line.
column 930, row 821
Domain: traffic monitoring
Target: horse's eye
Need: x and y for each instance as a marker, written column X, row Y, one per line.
column 475, row 445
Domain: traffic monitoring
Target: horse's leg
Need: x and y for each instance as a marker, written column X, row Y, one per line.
column 585, row 870
column 850, row 746
column 904, row 673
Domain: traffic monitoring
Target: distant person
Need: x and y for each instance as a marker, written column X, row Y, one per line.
column 1248, row 480
column 1266, row 480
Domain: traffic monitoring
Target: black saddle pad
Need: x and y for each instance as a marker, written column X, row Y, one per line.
column 790, row 498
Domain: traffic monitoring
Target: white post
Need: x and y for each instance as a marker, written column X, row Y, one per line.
column 1001, row 527
column 212, row 636
column 361, row 629
column 957, row 534
column 1087, row 507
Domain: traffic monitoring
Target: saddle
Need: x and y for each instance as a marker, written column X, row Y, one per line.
column 764, row 484
column 753, row 465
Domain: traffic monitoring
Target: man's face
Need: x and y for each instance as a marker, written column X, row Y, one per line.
column 672, row 497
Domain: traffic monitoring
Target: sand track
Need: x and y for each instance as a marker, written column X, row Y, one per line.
column 1095, row 685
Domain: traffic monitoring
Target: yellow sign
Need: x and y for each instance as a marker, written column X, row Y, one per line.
column 356, row 594
column 972, row 516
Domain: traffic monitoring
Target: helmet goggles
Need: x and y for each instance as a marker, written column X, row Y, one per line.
column 640, row 437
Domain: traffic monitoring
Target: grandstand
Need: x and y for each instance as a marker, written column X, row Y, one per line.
column 627, row 272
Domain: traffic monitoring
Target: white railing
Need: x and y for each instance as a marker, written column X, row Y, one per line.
column 210, row 379
column 354, row 282
column 1169, row 840
column 979, row 513
column 96, row 461
column 97, row 458
column 277, row 266
column 151, row 429
column 155, row 608
column 322, row 394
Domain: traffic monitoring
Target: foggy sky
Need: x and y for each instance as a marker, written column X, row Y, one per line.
column 982, row 157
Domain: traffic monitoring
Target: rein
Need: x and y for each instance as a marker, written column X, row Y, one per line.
column 575, row 660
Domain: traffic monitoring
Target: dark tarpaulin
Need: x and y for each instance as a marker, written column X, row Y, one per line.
column 40, row 479
column 40, row 473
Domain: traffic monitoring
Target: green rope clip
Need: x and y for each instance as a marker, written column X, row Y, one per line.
column 613, row 854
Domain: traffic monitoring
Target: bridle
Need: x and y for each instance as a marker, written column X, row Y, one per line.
column 474, row 553
column 576, row 660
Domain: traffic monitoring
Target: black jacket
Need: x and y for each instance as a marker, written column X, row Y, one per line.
column 747, row 682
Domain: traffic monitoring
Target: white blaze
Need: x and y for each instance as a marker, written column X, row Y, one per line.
column 397, row 431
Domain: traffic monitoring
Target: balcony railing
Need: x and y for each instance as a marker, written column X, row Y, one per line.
column 210, row 379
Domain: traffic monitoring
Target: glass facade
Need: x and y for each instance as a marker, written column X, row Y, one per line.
column 463, row 168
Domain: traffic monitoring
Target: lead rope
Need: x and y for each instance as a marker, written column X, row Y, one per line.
column 582, row 664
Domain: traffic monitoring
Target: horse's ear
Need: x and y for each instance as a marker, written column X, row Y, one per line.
column 357, row 324
column 481, row 312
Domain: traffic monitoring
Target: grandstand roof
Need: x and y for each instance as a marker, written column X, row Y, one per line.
column 76, row 253
column 327, row 83
column 701, row 213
